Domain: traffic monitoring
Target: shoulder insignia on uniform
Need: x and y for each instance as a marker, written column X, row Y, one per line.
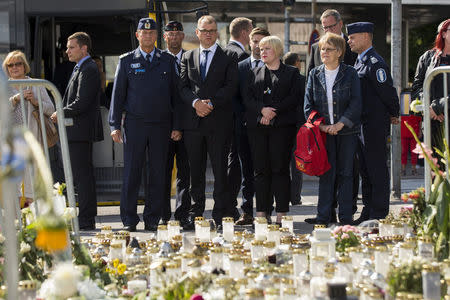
column 373, row 59
column 125, row 54
column 381, row 75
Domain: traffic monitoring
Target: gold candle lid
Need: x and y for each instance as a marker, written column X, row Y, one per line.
column 405, row 245
column 216, row 250
column 272, row 292
column 199, row 219
column 204, row 223
column 106, row 227
column 269, row 244
column 289, row 291
column 162, row 227
column 286, row 240
column 234, row 257
column 381, row 249
column 284, row 230
column 100, row 236
column 320, row 226
column 248, row 235
column 299, row 250
column 228, row 220
column 287, row 218
column 27, row 285
column 426, row 239
column 224, row 281
column 344, row 259
column 260, row 220
column 273, row 227
column 177, row 238
column 116, row 245
column 254, row 292
column 431, row 268
column 318, row 258
column 257, row 243
column 174, row 223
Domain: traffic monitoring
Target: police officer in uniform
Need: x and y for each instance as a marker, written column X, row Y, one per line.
column 380, row 108
column 173, row 35
column 145, row 88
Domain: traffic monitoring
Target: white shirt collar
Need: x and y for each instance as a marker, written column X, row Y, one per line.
column 211, row 49
column 178, row 55
column 239, row 43
column 252, row 59
column 144, row 54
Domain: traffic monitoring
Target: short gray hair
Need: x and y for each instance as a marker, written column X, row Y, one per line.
column 331, row 13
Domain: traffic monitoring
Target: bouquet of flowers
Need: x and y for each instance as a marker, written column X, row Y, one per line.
column 346, row 236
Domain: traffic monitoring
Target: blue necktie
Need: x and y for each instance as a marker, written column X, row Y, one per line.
column 148, row 58
column 203, row 65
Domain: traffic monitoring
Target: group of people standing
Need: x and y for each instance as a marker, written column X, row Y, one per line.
column 243, row 111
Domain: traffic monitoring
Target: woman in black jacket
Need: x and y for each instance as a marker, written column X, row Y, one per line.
column 438, row 56
column 271, row 100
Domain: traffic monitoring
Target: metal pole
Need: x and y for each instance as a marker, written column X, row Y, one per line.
column 313, row 14
column 446, row 121
column 287, row 28
column 9, row 196
column 396, row 61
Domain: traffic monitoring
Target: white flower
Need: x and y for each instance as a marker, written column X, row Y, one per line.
column 69, row 213
column 90, row 290
column 62, row 282
column 2, row 238
column 24, row 247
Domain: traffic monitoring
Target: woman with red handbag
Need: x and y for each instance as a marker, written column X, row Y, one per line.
column 334, row 91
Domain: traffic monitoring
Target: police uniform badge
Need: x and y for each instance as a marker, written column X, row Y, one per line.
column 147, row 25
column 381, row 75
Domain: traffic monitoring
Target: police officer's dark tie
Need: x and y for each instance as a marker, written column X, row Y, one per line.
column 203, row 65
column 148, row 58
column 256, row 63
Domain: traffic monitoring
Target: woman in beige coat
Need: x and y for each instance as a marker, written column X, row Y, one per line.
column 16, row 67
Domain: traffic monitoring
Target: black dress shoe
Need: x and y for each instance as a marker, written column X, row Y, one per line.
column 151, row 227
column 296, row 202
column 87, row 227
column 188, row 226
column 130, row 228
column 359, row 220
column 314, row 221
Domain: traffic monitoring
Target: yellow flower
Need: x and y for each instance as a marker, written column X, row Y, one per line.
column 121, row 268
column 116, row 263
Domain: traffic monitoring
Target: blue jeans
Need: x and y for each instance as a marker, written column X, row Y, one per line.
column 341, row 151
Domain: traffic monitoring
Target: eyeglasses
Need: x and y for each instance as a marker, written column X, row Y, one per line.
column 329, row 27
column 327, row 49
column 204, row 31
column 173, row 34
column 17, row 64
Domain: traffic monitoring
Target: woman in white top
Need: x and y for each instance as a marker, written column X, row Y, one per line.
column 334, row 91
column 16, row 67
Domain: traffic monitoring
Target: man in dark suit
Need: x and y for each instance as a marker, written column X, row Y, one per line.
column 240, row 130
column 81, row 103
column 208, row 82
column 332, row 22
column 240, row 29
column 145, row 88
column 174, row 36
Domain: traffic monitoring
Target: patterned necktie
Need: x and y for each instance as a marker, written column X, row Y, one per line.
column 75, row 69
column 203, row 65
column 256, row 63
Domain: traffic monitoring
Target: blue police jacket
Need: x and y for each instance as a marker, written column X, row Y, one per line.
column 144, row 90
column 380, row 100
column 347, row 101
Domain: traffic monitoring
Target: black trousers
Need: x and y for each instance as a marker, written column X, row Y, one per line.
column 240, row 168
column 141, row 139
column 200, row 143
column 271, row 151
column 84, row 181
column 374, row 174
column 177, row 151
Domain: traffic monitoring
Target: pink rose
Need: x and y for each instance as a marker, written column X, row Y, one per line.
column 196, row 297
column 345, row 236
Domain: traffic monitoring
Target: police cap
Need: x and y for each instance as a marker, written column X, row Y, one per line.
column 359, row 27
column 173, row 26
column 147, row 23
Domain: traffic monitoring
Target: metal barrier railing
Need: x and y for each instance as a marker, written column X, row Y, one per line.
column 426, row 117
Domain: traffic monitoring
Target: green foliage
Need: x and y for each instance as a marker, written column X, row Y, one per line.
column 405, row 278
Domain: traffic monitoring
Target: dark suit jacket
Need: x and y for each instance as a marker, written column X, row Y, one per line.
column 219, row 86
column 82, row 103
column 244, row 68
column 234, row 50
column 315, row 60
column 284, row 96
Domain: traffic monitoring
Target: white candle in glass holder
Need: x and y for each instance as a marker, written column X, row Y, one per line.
column 260, row 228
column 228, row 228
column 344, row 268
column 162, row 234
column 137, row 285
column 288, row 222
column 204, row 234
column 431, row 282
column 106, row 229
column 357, row 256
column 236, row 266
column 269, row 247
column 300, row 260
column 173, row 228
column 382, row 260
column 216, row 258
column 382, row 228
column 425, row 247
column 197, row 222
column 257, row 250
column 273, row 233
column 316, row 265
column 405, row 251
column 115, row 251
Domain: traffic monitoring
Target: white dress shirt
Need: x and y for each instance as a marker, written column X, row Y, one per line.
column 330, row 77
column 252, row 60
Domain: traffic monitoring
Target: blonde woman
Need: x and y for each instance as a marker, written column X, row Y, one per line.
column 272, row 99
column 16, row 67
